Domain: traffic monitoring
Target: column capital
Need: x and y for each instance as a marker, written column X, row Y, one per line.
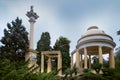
column 31, row 14
column 77, row 50
column 32, row 20
column 42, row 53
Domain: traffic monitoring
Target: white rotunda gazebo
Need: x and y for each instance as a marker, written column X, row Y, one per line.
column 93, row 42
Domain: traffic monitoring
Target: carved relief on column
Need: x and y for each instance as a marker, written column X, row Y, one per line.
column 112, row 60
column 85, row 58
column 100, row 55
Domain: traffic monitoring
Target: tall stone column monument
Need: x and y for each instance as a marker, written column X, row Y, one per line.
column 32, row 54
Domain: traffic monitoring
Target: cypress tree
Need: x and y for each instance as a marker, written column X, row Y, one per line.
column 63, row 44
column 43, row 45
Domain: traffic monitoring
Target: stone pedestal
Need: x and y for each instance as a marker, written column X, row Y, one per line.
column 31, row 55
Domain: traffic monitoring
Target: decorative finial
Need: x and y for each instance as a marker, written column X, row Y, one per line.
column 32, row 15
column 31, row 8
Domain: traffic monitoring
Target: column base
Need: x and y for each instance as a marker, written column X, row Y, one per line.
column 31, row 55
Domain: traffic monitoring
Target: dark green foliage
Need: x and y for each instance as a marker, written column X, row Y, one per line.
column 108, row 74
column 91, row 76
column 69, row 73
column 118, row 32
column 96, row 65
column 86, row 70
column 12, row 70
column 48, row 76
column 63, row 44
column 111, row 74
column 105, row 63
column 88, row 76
column 117, row 57
column 43, row 45
column 19, row 71
column 15, row 41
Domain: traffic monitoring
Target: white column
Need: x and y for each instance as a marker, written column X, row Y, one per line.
column 100, row 55
column 85, row 58
column 60, row 64
column 112, row 60
column 42, row 62
column 77, row 59
column 49, row 65
column 31, row 35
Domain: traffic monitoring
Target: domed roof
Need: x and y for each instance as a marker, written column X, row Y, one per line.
column 93, row 30
column 94, row 37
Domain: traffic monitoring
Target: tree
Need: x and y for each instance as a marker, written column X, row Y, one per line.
column 118, row 32
column 43, row 45
column 19, row 70
column 96, row 65
column 69, row 73
column 63, row 44
column 15, row 41
column 10, row 70
column 117, row 57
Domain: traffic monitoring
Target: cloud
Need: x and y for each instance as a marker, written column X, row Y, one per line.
column 63, row 18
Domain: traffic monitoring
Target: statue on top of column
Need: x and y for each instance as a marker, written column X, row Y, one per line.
column 32, row 15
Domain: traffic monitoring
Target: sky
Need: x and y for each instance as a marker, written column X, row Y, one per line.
column 67, row 18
